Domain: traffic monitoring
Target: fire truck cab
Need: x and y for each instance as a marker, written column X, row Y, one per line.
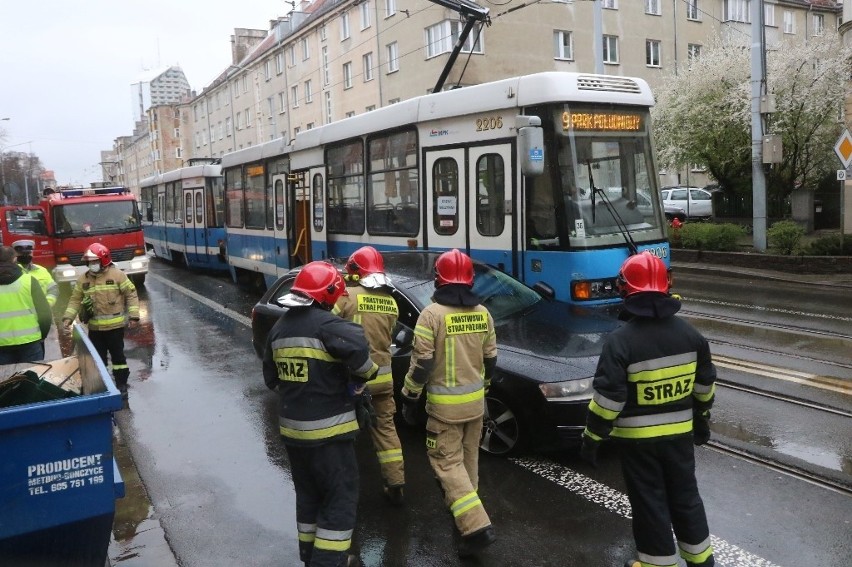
column 108, row 215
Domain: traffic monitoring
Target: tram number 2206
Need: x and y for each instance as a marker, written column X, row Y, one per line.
column 659, row 251
column 489, row 123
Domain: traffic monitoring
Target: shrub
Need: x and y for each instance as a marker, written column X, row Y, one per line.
column 830, row 246
column 708, row 236
column 785, row 236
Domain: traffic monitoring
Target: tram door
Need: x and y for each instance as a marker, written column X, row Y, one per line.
column 469, row 202
column 319, row 242
column 279, row 224
column 194, row 235
column 299, row 230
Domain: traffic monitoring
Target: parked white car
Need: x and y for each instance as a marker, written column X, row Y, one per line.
column 696, row 202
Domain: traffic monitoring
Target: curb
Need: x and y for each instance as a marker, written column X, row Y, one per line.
column 826, row 280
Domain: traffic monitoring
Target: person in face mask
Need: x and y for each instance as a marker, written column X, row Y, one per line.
column 106, row 298
column 24, row 252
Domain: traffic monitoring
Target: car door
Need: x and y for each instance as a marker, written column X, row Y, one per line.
column 700, row 203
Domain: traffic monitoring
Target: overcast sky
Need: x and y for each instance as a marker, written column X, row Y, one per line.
column 66, row 67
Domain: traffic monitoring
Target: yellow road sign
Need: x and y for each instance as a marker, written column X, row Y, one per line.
column 843, row 148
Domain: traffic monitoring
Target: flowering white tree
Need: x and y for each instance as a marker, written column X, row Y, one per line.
column 703, row 114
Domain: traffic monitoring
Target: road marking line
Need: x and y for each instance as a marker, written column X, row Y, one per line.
column 726, row 554
column 814, row 380
column 208, row 302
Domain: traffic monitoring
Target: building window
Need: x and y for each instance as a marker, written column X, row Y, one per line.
column 228, row 125
column 368, row 67
column 310, row 126
column 291, row 56
column 294, row 96
column 370, row 108
column 178, row 153
column 347, row 75
column 245, row 83
column 239, row 121
column 306, row 49
column 610, row 49
column 282, row 102
column 653, row 7
column 267, row 69
column 563, row 45
column 738, row 11
column 692, row 11
column 818, row 21
column 328, row 114
column 248, row 118
column 309, row 93
column 344, row 26
column 390, row 8
column 789, row 22
column 610, row 4
column 326, row 75
column 652, row 53
column 693, row 52
column 769, row 15
column 279, row 63
column 323, row 32
column 365, row 15
column 393, row 57
column 441, row 37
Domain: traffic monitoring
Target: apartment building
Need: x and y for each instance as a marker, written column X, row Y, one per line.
column 330, row 59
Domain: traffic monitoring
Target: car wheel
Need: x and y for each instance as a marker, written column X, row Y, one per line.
column 501, row 432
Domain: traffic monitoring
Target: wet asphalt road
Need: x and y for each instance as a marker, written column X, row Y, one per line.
column 202, row 430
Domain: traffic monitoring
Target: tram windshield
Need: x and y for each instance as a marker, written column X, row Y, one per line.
column 600, row 180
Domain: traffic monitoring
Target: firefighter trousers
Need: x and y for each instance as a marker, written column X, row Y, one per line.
column 453, row 450
column 112, row 342
column 663, row 492
column 386, row 441
column 326, row 481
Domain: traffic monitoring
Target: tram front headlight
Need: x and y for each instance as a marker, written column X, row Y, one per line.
column 588, row 290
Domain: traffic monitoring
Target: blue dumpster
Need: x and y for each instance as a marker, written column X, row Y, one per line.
column 58, row 478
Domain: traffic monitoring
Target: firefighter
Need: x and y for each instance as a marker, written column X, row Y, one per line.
column 370, row 304
column 316, row 361
column 24, row 250
column 106, row 300
column 455, row 352
column 654, row 387
column 25, row 315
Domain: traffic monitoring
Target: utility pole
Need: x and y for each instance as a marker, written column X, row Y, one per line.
column 758, row 90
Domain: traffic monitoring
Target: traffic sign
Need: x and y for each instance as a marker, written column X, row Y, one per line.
column 843, row 148
column 841, row 175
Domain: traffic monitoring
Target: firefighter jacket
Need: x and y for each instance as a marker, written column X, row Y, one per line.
column 45, row 279
column 25, row 316
column 455, row 350
column 376, row 311
column 112, row 297
column 309, row 359
column 653, row 373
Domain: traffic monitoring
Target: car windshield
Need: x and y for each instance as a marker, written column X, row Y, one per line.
column 503, row 295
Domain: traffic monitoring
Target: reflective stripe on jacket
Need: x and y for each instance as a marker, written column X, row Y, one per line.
column 113, row 295
column 653, row 374
column 18, row 318
column 309, row 357
column 376, row 311
column 453, row 341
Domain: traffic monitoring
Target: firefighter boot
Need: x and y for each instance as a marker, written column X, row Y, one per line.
column 121, row 375
column 394, row 494
column 472, row 544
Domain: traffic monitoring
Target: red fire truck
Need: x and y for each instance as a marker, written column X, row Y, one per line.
column 67, row 221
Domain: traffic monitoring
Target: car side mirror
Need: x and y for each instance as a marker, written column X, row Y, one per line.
column 544, row 290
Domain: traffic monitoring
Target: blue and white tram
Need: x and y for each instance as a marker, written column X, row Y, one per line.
column 184, row 216
column 550, row 177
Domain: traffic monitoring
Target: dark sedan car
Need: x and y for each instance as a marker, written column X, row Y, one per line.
column 547, row 350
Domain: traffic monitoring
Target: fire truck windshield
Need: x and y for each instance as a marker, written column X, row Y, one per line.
column 88, row 218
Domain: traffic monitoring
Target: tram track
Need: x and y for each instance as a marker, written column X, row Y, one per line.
column 787, row 328
column 810, row 477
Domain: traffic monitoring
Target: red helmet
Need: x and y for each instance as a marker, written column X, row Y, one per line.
column 641, row 273
column 321, row 282
column 365, row 261
column 98, row 252
column 453, row 267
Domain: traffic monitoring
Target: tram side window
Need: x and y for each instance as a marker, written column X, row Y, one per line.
column 393, row 185
column 215, row 203
column 445, row 196
column 234, row 198
column 490, row 195
column 346, row 188
column 255, row 193
column 173, row 204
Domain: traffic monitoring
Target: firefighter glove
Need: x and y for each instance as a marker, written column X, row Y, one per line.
column 67, row 323
column 589, row 450
column 409, row 407
column 364, row 411
column 701, row 427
